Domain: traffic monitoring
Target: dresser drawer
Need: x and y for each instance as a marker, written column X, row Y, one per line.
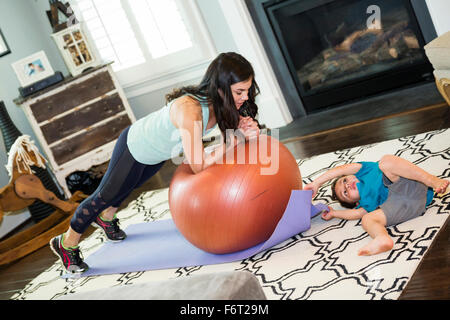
column 89, row 140
column 80, row 119
column 73, row 96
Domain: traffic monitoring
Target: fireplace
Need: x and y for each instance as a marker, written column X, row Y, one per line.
column 327, row 53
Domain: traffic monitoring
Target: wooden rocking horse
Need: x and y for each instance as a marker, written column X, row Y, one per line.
column 22, row 190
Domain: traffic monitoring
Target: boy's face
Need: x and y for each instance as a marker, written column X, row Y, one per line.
column 346, row 189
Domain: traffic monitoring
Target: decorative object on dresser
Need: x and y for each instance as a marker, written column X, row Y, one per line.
column 38, row 209
column 438, row 52
column 79, row 120
column 74, row 46
column 53, row 15
column 42, row 84
column 32, row 68
column 35, row 73
column 4, row 48
column 71, row 39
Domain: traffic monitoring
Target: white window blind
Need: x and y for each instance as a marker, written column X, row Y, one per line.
column 108, row 25
column 145, row 38
column 162, row 26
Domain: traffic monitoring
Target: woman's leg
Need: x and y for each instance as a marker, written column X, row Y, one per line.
column 109, row 213
column 122, row 176
column 375, row 224
column 71, row 238
column 148, row 172
column 118, row 179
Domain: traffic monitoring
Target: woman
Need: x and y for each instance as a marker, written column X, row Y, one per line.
column 225, row 97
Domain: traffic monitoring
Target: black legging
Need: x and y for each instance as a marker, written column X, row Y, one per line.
column 124, row 174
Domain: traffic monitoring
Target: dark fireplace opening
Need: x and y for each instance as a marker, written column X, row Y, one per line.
column 329, row 52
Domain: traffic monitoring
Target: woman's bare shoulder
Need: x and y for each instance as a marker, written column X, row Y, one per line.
column 185, row 108
column 187, row 103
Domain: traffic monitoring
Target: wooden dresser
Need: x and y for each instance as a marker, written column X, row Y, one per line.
column 79, row 120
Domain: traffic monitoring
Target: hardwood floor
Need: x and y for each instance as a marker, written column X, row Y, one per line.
column 430, row 281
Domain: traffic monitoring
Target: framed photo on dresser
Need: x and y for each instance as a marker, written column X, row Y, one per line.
column 32, row 68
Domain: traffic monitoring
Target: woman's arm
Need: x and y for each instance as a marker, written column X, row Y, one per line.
column 219, row 151
column 189, row 121
column 190, row 125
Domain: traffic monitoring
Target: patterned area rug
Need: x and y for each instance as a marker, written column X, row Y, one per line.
column 321, row 263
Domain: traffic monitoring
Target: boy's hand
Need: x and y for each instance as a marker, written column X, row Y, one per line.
column 311, row 186
column 328, row 215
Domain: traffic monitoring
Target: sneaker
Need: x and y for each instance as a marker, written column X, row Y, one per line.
column 70, row 258
column 111, row 229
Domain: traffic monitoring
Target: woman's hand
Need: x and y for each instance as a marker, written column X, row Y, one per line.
column 249, row 127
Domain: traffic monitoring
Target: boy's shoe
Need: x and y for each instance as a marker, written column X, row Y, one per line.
column 70, row 258
column 111, row 229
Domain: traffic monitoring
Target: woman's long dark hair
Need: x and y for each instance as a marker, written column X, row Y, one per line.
column 227, row 69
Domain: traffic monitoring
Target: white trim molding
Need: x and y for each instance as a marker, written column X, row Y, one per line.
column 166, row 80
column 439, row 14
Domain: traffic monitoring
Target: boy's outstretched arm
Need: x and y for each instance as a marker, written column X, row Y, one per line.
column 344, row 170
column 347, row 214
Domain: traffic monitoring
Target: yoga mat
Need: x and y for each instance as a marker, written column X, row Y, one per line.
column 159, row 245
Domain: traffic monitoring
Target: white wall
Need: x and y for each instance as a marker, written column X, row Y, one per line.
column 439, row 11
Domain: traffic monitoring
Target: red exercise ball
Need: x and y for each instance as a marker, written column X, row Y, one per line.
column 233, row 206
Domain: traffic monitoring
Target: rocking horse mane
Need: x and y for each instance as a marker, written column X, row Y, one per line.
column 21, row 154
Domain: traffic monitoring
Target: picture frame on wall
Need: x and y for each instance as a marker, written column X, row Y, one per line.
column 32, row 68
column 4, row 48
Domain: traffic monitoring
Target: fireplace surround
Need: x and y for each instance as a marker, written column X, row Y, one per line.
column 329, row 53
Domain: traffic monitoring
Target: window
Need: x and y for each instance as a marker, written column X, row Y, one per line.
column 165, row 32
column 146, row 39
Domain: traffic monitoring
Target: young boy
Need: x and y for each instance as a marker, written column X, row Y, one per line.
column 383, row 193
